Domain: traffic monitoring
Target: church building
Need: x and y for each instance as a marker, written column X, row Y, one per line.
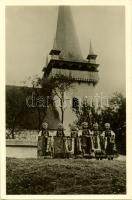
column 65, row 58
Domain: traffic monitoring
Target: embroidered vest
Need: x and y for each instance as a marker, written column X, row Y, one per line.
column 108, row 133
column 60, row 133
column 45, row 133
column 85, row 132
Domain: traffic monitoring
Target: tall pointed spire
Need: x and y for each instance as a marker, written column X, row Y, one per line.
column 55, row 50
column 55, row 44
column 66, row 38
column 91, row 52
column 91, row 56
column 65, row 58
column 46, row 61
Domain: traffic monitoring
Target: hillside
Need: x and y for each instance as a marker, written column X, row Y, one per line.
column 65, row 176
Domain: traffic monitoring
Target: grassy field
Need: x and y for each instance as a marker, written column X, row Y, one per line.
column 65, row 176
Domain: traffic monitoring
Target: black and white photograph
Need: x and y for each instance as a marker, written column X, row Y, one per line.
column 65, row 100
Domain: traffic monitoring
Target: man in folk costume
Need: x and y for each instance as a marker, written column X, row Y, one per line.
column 96, row 140
column 76, row 141
column 87, row 142
column 59, row 142
column 43, row 140
column 109, row 138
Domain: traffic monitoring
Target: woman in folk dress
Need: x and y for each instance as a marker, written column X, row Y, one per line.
column 109, row 138
column 59, row 142
column 87, row 143
column 96, row 140
column 76, row 141
column 43, row 140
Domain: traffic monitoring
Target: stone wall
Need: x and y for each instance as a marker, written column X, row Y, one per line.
column 28, row 135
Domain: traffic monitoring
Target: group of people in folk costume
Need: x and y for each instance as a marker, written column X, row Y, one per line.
column 80, row 143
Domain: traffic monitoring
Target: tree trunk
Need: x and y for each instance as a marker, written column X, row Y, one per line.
column 12, row 130
column 62, row 111
column 39, row 118
column 62, row 115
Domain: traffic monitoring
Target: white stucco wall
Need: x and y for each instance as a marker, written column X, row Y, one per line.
column 79, row 91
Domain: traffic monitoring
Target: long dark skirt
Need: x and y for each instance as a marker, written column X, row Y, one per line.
column 75, row 146
column 77, row 150
column 42, row 146
column 102, row 145
column 95, row 142
column 86, row 145
column 59, row 147
column 109, row 147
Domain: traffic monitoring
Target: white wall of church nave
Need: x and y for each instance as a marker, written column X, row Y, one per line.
column 80, row 91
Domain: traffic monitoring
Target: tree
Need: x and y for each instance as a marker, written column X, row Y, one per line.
column 58, row 86
column 39, row 95
column 86, row 113
column 19, row 114
column 114, row 113
column 15, row 107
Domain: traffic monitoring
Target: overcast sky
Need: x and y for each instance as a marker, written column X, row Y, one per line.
column 30, row 31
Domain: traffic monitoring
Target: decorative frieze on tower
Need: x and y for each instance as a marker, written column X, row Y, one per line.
column 82, row 71
column 66, row 58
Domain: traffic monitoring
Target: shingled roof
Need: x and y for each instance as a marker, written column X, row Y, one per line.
column 29, row 120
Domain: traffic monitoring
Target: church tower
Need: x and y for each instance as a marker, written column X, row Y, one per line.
column 66, row 58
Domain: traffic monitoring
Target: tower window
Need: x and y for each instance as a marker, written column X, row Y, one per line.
column 75, row 103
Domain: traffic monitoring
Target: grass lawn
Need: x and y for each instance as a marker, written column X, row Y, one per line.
column 65, row 176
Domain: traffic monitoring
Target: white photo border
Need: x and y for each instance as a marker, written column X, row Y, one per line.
column 128, row 38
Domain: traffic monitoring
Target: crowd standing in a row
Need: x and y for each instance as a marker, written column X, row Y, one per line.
column 81, row 143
